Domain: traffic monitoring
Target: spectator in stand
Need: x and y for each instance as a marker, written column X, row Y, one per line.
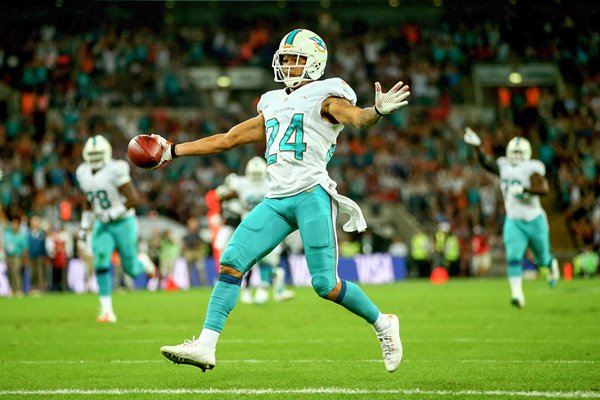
column 59, row 247
column 169, row 252
column 15, row 247
column 398, row 248
column 195, row 251
column 349, row 244
column 452, row 254
column 586, row 263
column 420, row 253
column 37, row 255
column 481, row 260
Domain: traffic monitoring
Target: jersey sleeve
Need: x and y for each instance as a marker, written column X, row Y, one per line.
column 537, row 167
column 336, row 87
column 79, row 176
column 121, row 173
column 263, row 101
column 502, row 162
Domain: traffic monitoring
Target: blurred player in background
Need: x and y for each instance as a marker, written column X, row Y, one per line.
column 215, row 220
column 300, row 125
column 250, row 190
column 111, row 198
column 522, row 182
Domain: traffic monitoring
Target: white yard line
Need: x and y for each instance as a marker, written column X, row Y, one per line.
column 320, row 341
column 305, row 391
column 306, row 361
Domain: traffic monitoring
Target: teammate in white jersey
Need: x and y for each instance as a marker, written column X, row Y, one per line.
column 526, row 225
column 250, row 190
column 300, row 125
column 111, row 198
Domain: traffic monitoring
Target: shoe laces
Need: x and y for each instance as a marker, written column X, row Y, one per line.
column 191, row 343
column 387, row 344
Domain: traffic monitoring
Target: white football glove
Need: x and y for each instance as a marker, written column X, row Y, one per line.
column 1, row 174
column 112, row 214
column 166, row 155
column 388, row 102
column 226, row 189
column 516, row 189
column 470, row 137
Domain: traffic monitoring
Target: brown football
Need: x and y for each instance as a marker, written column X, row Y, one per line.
column 144, row 151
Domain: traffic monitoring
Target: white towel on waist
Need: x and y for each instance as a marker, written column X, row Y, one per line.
column 347, row 206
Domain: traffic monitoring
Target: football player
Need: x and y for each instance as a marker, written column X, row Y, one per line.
column 250, row 190
column 109, row 212
column 299, row 125
column 522, row 182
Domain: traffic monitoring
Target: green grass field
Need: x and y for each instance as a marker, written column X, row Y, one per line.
column 461, row 340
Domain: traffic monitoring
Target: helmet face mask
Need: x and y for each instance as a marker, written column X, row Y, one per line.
column 256, row 169
column 305, row 46
column 97, row 151
column 518, row 150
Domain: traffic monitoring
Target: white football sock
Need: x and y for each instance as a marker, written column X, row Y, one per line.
column 209, row 338
column 382, row 323
column 106, row 304
column 516, row 286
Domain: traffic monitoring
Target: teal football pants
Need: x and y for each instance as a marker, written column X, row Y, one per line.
column 121, row 235
column 313, row 212
column 518, row 235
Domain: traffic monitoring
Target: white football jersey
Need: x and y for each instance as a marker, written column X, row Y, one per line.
column 526, row 206
column 102, row 188
column 300, row 142
column 250, row 193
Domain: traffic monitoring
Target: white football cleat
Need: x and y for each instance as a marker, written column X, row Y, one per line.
column 391, row 345
column 106, row 318
column 191, row 352
column 261, row 296
column 246, row 296
column 553, row 274
column 284, row 295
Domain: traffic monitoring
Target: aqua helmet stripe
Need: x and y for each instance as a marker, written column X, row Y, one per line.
column 290, row 38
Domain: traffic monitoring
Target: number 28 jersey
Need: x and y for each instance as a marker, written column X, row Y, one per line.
column 102, row 187
column 526, row 206
column 300, row 142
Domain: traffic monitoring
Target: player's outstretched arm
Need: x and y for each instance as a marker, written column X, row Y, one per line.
column 249, row 131
column 342, row 111
column 487, row 162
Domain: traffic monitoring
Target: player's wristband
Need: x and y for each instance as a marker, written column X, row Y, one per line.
column 173, row 155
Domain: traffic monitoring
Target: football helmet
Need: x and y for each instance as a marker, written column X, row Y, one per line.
column 518, row 150
column 97, row 151
column 300, row 43
column 256, row 169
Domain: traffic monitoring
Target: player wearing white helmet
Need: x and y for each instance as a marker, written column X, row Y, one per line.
column 526, row 225
column 299, row 125
column 250, row 190
column 111, row 198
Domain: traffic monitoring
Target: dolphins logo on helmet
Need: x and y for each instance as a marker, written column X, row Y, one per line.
column 300, row 43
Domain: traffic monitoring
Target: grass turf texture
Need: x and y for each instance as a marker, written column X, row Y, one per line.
column 461, row 340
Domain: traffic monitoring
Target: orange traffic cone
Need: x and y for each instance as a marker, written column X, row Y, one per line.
column 568, row 271
column 438, row 276
column 170, row 285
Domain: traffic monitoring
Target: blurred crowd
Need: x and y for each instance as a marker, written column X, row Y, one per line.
column 123, row 82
